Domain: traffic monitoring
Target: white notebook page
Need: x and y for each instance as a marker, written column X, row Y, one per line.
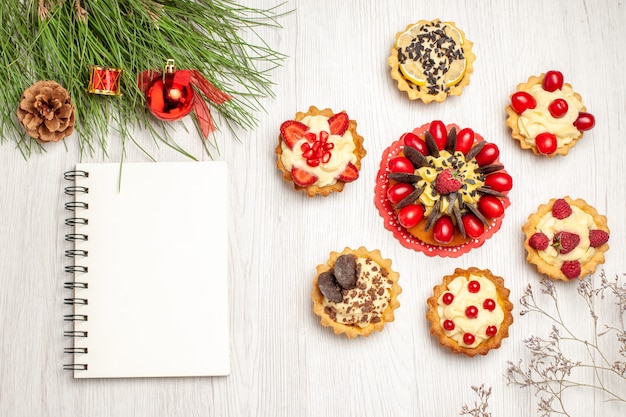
column 157, row 270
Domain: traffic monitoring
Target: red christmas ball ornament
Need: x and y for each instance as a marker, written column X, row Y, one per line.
column 170, row 96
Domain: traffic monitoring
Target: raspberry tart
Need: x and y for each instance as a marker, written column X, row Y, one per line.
column 319, row 151
column 470, row 311
column 431, row 60
column 442, row 190
column 355, row 292
column 566, row 238
column 547, row 116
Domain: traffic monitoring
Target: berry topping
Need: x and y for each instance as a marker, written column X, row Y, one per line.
column 339, row 123
column 499, row 181
column 302, row 178
column 598, row 238
column 489, row 304
column 539, row 241
column 401, row 164
column 447, row 298
column 522, row 101
column 585, row 121
column 468, row 338
column 472, row 225
column 464, row 140
column 350, row 174
column 571, row 269
column 414, row 141
column 558, row 108
column 448, row 325
column 443, row 231
column 488, row 154
column 546, row 143
column 471, row 312
column 292, row 131
column 473, row 286
column 399, row 191
column 438, row 130
column 316, row 150
column 561, row 209
column 491, row 331
column 410, row 215
column 565, row 242
column 490, row 206
column 552, row 81
column 447, row 183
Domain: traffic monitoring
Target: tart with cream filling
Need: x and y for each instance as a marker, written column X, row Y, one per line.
column 355, row 292
column 319, row 151
column 547, row 116
column 431, row 60
column 566, row 238
column 470, row 311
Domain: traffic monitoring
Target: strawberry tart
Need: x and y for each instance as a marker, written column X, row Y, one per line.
column 442, row 187
column 547, row 116
column 319, row 151
column 355, row 292
column 431, row 60
column 470, row 311
column 566, row 238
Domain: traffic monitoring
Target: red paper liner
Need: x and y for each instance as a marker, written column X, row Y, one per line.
column 404, row 237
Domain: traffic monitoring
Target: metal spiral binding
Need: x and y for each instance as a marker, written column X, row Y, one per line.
column 75, row 254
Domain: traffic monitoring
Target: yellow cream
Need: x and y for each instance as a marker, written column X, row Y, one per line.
column 533, row 122
column 341, row 154
column 469, row 177
column 578, row 222
column 463, row 298
column 365, row 303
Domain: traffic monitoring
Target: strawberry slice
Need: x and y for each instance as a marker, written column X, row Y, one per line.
column 302, row 178
column 292, row 131
column 339, row 123
column 350, row 174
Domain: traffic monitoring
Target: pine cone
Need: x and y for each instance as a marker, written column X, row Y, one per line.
column 46, row 111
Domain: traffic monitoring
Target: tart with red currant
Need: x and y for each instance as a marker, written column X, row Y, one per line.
column 470, row 311
column 355, row 292
column 431, row 60
column 566, row 238
column 442, row 189
column 547, row 116
column 319, row 151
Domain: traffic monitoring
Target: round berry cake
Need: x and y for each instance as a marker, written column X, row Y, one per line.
column 441, row 186
column 566, row 238
column 355, row 292
column 547, row 116
column 431, row 60
column 320, row 151
column 470, row 311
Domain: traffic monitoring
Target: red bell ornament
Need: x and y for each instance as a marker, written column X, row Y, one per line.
column 170, row 97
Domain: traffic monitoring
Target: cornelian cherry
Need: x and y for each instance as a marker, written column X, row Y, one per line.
column 471, row 312
column 491, row 331
column 490, row 206
column 499, row 181
column 473, row 286
column 585, row 121
column 552, row 81
column 464, row 140
column 401, row 164
column 448, row 325
column 439, row 132
column 447, row 298
column 468, row 338
column 488, row 154
column 522, row 101
column 546, row 143
column 414, row 141
column 489, row 304
column 410, row 215
column 398, row 191
column 443, row 231
column 558, row 108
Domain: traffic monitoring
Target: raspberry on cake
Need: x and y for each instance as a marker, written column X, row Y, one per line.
column 431, row 60
column 470, row 311
column 355, row 292
column 445, row 186
column 566, row 238
column 319, row 151
column 547, row 116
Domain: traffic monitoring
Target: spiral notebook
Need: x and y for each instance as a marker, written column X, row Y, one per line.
column 147, row 276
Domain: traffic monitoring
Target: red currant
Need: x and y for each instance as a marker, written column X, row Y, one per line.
column 521, row 101
column 410, row 215
column 448, row 325
column 439, row 132
column 490, row 206
column 398, row 191
column 499, row 181
column 468, row 339
column 491, row 331
column 447, row 298
column 488, row 154
column 546, row 143
column 464, row 140
column 552, row 81
column 473, row 286
column 489, row 304
column 558, row 108
column 471, row 312
column 401, row 164
column 443, row 231
column 585, row 121
column 414, row 141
